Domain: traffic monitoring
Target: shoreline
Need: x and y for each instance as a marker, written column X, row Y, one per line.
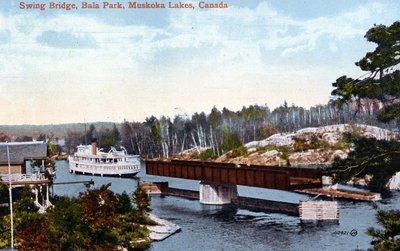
column 163, row 230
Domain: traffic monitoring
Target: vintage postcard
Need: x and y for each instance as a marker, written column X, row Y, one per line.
column 199, row 125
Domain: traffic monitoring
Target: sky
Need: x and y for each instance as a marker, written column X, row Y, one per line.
column 59, row 66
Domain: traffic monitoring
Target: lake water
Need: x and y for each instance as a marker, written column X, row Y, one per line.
column 208, row 227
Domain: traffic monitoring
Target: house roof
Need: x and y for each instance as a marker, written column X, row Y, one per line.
column 20, row 151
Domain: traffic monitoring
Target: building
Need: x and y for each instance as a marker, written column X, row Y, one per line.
column 17, row 154
column 20, row 153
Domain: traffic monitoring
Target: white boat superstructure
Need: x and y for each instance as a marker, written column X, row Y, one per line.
column 90, row 160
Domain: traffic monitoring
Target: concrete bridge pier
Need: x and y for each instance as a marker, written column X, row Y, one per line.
column 217, row 194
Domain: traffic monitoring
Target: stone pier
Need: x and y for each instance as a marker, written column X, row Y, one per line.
column 217, row 194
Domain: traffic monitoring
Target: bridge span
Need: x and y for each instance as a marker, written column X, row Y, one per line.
column 273, row 177
column 218, row 181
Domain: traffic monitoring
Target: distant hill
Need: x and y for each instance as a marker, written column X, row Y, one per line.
column 57, row 130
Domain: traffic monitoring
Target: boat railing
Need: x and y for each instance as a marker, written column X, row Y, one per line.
column 108, row 165
column 115, row 160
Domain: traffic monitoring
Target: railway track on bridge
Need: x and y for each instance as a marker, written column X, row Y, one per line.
column 273, row 177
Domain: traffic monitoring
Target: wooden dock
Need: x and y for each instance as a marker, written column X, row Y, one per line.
column 318, row 210
column 341, row 193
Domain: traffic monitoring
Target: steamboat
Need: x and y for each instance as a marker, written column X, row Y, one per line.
column 88, row 159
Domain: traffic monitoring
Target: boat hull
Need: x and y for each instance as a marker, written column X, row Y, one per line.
column 119, row 170
column 129, row 175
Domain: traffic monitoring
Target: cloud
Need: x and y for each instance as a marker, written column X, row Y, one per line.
column 5, row 36
column 234, row 56
column 65, row 39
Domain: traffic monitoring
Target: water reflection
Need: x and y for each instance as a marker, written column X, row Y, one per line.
column 208, row 227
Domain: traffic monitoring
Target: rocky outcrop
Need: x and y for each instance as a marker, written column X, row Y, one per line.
column 188, row 154
column 394, row 182
column 308, row 146
column 330, row 135
column 314, row 145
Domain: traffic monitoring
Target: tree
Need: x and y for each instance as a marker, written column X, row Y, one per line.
column 378, row 158
column 41, row 137
column 3, row 193
column 97, row 220
column 123, row 203
column 23, row 139
column 370, row 156
column 142, row 200
column 229, row 140
column 153, row 126
column 26, row 202
column 67, row 217
column 106, row 139
column 99, row 207
column 383, row 80
column 90, row 135
column 388, row 238
column 4, row 137
column 35, row 233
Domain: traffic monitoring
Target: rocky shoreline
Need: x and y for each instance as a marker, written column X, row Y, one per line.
column 163, row 230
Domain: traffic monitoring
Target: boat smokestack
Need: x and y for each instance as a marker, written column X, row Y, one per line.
column 94, row 147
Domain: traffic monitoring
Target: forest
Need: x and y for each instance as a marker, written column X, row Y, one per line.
column 221, row 130
column 218, row 130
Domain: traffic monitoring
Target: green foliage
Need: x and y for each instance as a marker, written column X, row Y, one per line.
column 99, row 208
column 389, row 237
column 238, row 151
column 340, row 145
column 123, row 203
column 49, row 164
column 66, row 217
column 3, row 193
column 283, row 151
column 229, row 141
column 108, row 138
column 389, row 113
column 97, row 220
column 52, row 149
column 382, row 83
column 25, row 204
column 317, row 143
column 370, row 156
column 285, row 155
column 268, row 148
column 139, row 218
column 215, row 117
column 131, row 236
column 155, row 130
column 300, row 144
column 35, row 233
column 206, row 155
column 4, row 231
column 142, row 201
